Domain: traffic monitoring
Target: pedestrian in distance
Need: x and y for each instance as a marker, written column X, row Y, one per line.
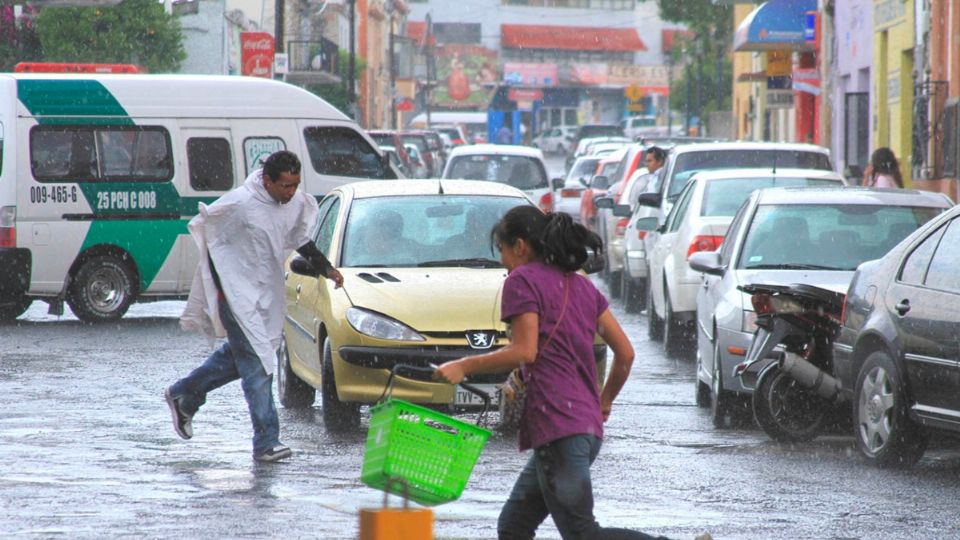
column 883, row 171
column 244, row 238
column 505, row 135
column 553, row 313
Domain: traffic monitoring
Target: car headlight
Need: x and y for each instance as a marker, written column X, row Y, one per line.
column 749, row 324
column 375, row 325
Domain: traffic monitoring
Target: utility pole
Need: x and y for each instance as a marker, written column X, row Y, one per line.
column 279, row 6
column 431, row 66
column 352, row 64
column 393, row 78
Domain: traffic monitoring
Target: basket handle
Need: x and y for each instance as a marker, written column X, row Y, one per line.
column 388, row 390
column 406, row 490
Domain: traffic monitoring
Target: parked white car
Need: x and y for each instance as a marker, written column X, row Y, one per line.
column 612, row 225
column 698, row 222
column 519, row 166
column 567, row 198
column 556, row 139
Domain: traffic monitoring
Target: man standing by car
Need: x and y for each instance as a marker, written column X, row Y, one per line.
column 244, row 239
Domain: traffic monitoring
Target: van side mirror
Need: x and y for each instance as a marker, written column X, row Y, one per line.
column 603, row 202
column 650, row 199
column 301, row 266
column 557, row 183
column 622, row 210
column 707, row 262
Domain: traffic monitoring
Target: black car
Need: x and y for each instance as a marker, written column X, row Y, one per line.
column 898, row 352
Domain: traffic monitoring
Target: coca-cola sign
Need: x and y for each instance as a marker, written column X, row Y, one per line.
column 256, row 54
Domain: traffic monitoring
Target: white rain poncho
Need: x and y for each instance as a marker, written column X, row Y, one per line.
column 249, row 236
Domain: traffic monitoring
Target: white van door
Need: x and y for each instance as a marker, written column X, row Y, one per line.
column 205, row 171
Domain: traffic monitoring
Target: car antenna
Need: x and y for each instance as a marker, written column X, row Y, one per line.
column 775, row 154
column 439, row 183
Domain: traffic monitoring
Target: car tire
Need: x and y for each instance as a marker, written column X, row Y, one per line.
column 102, row 289
column 673, row 342
column 785, row 410
column 337, row 415
column 291, row 390
column 654, row 323
column 631, row 293
column 721, row 401
column 613, row 283
column 703, row 389
column 14, row 308
column 883, row 429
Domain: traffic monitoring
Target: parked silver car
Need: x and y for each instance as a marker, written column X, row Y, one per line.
column 782, row 236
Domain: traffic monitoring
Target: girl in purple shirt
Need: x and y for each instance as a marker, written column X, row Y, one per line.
column 553, row 313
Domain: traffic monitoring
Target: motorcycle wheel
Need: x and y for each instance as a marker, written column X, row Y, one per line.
column 785, row 410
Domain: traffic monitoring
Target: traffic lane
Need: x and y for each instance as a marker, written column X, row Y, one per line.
column 88, row 441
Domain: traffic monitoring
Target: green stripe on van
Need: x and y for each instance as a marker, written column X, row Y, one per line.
column 131, row 198
column 64, row 102
column 149, row 242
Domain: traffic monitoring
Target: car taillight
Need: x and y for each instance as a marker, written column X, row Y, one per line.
column 622, row 226
column 458, row 142
column 704, row 243
column 546, row 202
column 570, row 193
column 642, row 234
column 8, row 226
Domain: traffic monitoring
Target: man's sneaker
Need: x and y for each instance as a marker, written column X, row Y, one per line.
column 276, row 453
column 182, row 422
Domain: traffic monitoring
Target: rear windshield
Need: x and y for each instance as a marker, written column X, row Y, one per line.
column 521, row 172
column 826, row 237
column 690, row 163
column 417, row 140
column 583, row 169
column 724, row 197
column 382, row 139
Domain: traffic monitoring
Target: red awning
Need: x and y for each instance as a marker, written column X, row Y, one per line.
column 577, row 38
column 667, row 37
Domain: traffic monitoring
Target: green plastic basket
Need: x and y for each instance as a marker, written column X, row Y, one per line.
column 432, row 452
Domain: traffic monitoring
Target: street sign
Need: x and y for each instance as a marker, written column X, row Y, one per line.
column 779, row 99
column 634, row 92
column 256, row 54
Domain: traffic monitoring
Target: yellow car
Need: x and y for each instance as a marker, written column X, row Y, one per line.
column 422, row 280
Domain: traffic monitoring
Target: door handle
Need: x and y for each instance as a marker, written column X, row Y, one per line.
column 903, row 307
column 299, row 286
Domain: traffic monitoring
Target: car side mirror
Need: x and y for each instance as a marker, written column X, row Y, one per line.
column 557, row 183
column 600, row 182
column 707, row 262
column 603, row 202
column 648, row 224
column 594, row 262
column 622, row 210
column 650, row 199
column 301, row 266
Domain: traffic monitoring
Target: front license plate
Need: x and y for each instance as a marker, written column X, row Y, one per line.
column 465, row 398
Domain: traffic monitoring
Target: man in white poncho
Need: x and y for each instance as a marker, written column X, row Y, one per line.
column 244, row 239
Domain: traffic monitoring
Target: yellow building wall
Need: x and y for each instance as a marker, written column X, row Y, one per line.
column 893, row 39
column 742, row 63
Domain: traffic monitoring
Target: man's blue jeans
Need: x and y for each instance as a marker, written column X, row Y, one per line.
column 236, row 359
column 556, row 482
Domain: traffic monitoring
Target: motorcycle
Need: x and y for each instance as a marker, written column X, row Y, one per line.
column 789, row 364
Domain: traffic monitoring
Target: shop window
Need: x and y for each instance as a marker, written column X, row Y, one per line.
column 951, row 138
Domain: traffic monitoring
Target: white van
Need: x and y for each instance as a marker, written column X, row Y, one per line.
column 99, row 175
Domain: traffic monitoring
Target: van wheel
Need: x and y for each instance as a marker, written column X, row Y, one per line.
column 102, row 290
column 292, row 391
column 14, row 308
column 337, row 415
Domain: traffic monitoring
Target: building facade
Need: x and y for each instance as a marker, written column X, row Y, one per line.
column 848, row 74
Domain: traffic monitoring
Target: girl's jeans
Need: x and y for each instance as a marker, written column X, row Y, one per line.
column 556, row 481
column 236, row 359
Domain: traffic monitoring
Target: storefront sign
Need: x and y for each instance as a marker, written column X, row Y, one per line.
column 256, row 54
column 524, row 94
column 522, row 74
column 628, row 74
column 779, row 99
column 779, row 63
column 467, row 76
column 588, row 74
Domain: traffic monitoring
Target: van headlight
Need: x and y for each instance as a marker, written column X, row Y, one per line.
column 379, row 326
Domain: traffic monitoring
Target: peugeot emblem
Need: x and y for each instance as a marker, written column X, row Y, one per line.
column 480, row 339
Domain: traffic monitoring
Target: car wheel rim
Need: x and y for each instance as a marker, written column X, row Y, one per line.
column 875, row 411
column 105, row 290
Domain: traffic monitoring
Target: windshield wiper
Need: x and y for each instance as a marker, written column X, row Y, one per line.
column 791, row 266
column 474, row 262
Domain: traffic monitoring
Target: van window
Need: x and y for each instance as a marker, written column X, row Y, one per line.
column 257, row 149
column 342, row 151
column 211, row 164
column 108, row 153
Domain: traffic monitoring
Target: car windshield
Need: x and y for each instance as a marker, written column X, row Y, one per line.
column 690, row 163
column 437, row 230
column 724, row 197
column 827, row 236
column 521, row 172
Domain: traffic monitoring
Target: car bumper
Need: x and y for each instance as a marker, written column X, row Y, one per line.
column 635, row 264
column 731, row 344
column 684, row 296
column 615, row 258
column 568, row 205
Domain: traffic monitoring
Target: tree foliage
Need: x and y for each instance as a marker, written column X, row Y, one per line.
column 338, row 95
column 133, row 32
column 18, row 40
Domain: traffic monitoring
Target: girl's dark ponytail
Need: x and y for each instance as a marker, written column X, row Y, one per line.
column 565, row 243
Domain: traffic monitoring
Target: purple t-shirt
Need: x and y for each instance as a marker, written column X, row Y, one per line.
column 562, row 394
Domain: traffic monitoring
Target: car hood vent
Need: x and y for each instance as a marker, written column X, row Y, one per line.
column 369, row 277
column 388, row 277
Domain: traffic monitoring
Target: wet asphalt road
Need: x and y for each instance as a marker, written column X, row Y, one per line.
column 87, row 451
